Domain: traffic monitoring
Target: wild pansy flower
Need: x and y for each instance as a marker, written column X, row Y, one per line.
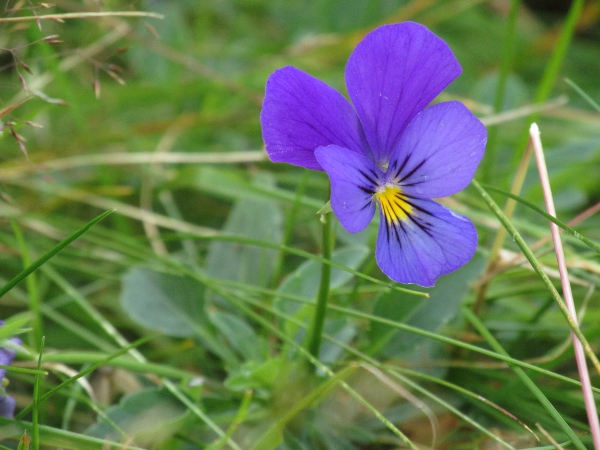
column 387, row 147
column 7, row 403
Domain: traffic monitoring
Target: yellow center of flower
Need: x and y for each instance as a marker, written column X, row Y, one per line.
column 393, row 203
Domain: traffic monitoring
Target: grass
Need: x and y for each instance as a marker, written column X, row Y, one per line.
column 162, row 273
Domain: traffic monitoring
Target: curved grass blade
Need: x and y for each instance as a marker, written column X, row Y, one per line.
column 582, row 93
column 576, row 234
column 41, row 261
column 540, row 271
column 528, row 382
column 57, row 438
column 392, row 371
column 273, row 329
column 232, row 287
column 110, row 329
column 88, row 370
column 308, row 255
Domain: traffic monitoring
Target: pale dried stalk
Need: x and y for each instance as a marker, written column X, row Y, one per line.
column 82, row 15
column 588, row 396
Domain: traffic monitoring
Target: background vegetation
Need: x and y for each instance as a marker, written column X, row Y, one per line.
column 211, row 256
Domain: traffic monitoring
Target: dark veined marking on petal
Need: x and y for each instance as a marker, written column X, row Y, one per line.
column 392, row 230
column 371, row 178
column 367, row 190
column 418, row 219
column 397, row 169
column 393, row 204
column 414, row 169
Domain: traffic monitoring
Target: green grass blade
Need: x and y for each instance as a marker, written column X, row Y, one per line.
column 57, row 438
column 560, row 223
column 232, row 288
column 528, row 382
column 41, row 261
column 540, row 271
column 83, row 373
column 581, row 92
column 37, row 329
column 508, row 51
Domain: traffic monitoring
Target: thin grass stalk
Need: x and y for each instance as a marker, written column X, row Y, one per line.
column 568, row 227
column 316, row 326
column 315, row 361
column 41, row 261
column 103, row 362
column 584, row 376
column 119, row 339
column 37, row 329
column 583, row 95
column 509, row 209
column 82, row 15
column 35, row 414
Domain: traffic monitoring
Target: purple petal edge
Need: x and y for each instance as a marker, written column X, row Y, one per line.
column 439, row 152
column 301, row 113
column 419, row 251
column 354, row 180
column 395, row 72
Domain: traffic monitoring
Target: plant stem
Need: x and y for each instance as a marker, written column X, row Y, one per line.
column 316, row 326
column 584, row 375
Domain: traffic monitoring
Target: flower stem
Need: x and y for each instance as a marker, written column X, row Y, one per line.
column 315, row 330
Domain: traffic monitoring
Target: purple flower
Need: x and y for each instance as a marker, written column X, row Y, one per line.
column 7, row 403
column 386, row 147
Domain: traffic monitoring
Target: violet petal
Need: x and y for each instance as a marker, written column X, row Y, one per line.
column 354, row 179
column 430, row 242
column 7, row 406
column 439, row 152
column 393, row 74
column 301, row 113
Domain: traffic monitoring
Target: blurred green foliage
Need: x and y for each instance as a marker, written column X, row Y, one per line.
column 215, row 253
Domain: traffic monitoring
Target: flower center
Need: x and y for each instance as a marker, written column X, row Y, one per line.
column 393, row 203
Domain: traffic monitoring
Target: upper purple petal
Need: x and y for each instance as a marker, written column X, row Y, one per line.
column 301, row 113
column 354, row 179
column 393, row 74
column 439, row 152
column 430, row 242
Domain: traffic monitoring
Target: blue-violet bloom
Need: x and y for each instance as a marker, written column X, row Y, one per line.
column 387, row 147
column 7, row 403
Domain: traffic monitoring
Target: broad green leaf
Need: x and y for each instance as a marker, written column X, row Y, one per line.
column 149, row 417
column 260, row 377
column 251, row 218
column 168, row 303
column 171, row 304
column 240, row 336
